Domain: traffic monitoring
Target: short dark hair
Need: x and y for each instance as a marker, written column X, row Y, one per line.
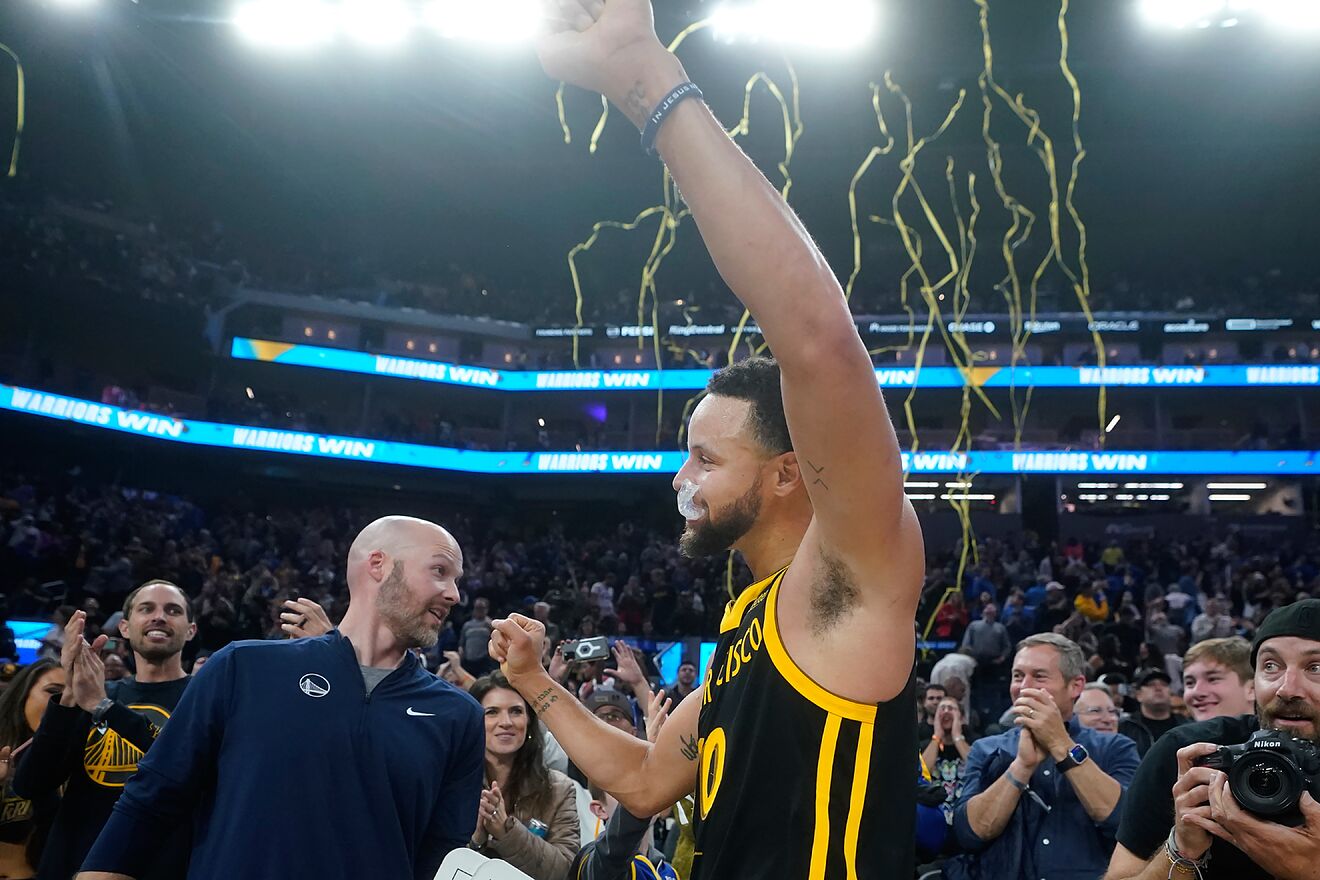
column 934, row 687
column 154, row 582
column 756, row 380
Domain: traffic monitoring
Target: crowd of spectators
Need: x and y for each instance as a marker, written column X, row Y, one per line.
column 66, row 240
column 1124, row 613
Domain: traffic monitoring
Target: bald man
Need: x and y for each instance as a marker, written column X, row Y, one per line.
column 330, row 757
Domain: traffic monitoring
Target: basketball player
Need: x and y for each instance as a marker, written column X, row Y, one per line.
column 800, row 744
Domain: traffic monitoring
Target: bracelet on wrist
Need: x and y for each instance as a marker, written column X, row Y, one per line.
column 653, row 122
column 1188, row 864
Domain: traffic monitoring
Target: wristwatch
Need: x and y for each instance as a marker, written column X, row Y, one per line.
column 103, row 707
column 1076, row 757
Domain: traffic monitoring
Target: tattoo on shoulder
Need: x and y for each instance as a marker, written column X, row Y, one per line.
column 819, row 481
column 689, row 748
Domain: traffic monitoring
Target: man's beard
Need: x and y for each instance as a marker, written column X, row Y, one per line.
column 411, row 627
column 1292, row 708
column 706, row 537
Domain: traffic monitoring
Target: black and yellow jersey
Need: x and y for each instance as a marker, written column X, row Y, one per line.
column 796, row 783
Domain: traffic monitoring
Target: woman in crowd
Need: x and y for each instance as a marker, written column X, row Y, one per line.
column 21, row 821
column 528, row 815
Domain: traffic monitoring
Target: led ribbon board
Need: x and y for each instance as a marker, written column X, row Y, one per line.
column 165, row 428
column 1217, row 376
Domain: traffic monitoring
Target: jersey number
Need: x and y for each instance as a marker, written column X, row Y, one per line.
column 713, row 749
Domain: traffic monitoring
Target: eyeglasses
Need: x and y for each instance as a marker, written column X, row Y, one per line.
column 1097, row 711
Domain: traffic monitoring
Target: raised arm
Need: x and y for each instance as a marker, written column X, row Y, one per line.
column 853, row 473
column 644, row 777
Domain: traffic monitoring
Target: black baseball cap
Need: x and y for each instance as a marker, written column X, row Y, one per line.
column 1153, row 675
column 1300, row 619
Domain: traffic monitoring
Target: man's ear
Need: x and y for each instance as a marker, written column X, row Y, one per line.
column 378, row 565
column 787, row 476
column 598, row 810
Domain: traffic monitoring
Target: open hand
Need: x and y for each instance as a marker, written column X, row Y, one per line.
column 657, row 713
column 628, row 671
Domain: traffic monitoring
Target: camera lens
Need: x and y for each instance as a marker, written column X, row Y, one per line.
column 1265, row 782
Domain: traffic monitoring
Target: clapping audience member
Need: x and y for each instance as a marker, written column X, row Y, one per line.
column 528, row 814
column 24, row 822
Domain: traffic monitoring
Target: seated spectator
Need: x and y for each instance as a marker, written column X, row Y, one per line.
column 946, row 753
column 1178, row 815
column 1214, row 622
column 1017, row 818
column 686, row 682
column 623, row 848
column 528, row 815
column 1155, row 717
column 951, row 619
column 1095, row 708
column 1056, row 608
column 1218, row 679
column 92, row 737
column 930, row 702
column 23, row 822
column 1094, row 603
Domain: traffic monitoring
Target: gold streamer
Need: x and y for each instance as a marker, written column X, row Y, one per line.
column 20, row 113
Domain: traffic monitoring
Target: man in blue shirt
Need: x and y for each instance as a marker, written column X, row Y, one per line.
column 338, row 757
column 1042, row 801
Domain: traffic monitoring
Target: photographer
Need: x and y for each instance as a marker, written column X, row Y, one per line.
column 1212, row 835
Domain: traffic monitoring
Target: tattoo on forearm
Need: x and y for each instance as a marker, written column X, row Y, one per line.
column 635, row 105
column 819, row 470
column 544, row 700
column 689, row 749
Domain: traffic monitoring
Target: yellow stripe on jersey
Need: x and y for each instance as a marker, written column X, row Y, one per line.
column 799, row 680
column 820, row 843
column 861, row 772
column 734, row 611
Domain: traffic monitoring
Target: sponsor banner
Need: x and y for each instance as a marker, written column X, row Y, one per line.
column 1070, row 324
column 71, row 409
column 688, row 380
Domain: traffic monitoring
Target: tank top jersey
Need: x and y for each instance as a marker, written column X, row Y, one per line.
column 796, row 783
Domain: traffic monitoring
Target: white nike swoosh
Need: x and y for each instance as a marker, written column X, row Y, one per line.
column 420, row 714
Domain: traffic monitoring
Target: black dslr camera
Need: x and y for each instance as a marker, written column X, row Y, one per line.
column 1268, row 773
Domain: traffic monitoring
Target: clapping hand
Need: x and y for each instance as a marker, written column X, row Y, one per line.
column 304, row 619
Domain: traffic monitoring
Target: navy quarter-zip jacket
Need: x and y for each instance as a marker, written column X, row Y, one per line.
column 285, row 767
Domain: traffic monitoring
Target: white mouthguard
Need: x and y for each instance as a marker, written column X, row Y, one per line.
column 686, row 506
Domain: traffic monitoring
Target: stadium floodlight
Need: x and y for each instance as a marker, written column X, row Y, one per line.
column 1182, row 13
column 507, row 22
column 823, row 24
column 1292, row 14
column 376, row 23
column 286, row 24
column 1230, row 497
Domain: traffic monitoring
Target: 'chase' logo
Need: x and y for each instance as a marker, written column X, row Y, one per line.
column 314, row 685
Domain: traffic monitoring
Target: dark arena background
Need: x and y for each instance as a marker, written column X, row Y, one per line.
column 272, row 269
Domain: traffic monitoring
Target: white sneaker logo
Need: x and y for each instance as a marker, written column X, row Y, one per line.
column 420, row 714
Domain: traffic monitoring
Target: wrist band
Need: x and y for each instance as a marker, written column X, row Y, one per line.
column 1178, row 860
column 662, row 110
